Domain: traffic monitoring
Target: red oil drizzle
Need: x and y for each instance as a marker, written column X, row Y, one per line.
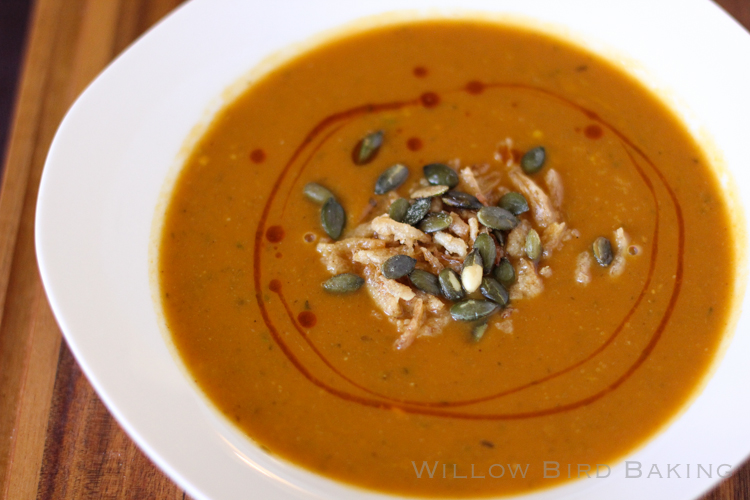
column 257, row 155
column 590, row 114
column 420, row 71
column 409, row 407
column 593, row 131
column 454, row 404
column 275, row 234
column 430, row 99
column 307, row 319
column 475, row 87
column 414, row 143
column 508, row 154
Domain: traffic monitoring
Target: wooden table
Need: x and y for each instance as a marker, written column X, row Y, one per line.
column 57, row 439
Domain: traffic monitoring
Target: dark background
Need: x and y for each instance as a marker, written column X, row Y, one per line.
column 14, row 18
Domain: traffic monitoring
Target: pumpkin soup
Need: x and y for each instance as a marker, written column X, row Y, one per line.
column 441, row 250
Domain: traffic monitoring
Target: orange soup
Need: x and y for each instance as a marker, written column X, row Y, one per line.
column 521, row 228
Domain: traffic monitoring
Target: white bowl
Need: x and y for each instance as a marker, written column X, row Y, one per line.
column 125, row 136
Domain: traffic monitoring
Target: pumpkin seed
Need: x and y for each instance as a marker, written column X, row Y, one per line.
column 435, row 222
column 487, row 249
column 477, row 331
column 429, row 192
column 317, row 193
column 602, row 251
column 514, row 203
column 392, row 178
column 425, row 281
column 398, row 209
column 398, row 266
column 367, row 148
column 500, row 237
column 333, row 218
column 343, row 283
column 533, row 161
column 417, row 211
column 505, row 273
column 473, row 258
column 440, row 174
column 497, row 218
column 450, row 284
column 494, row 291
column 459, row 199
column 472, row 310
column 472, row 271
column 533, row 245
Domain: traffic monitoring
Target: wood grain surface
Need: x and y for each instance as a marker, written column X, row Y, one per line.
column 57, row 440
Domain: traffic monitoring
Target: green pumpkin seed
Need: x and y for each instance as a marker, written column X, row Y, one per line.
column 533, row 246
column 333, row 218
column 459, row 199
column 472, row 310
column 398, row 209
column 435, row 222
column 505, row 273
column 487, row 249
column 440, row 174
column 472, row 271
column 450, row 284
column 343, row 283
column 367, row 148
column 497, row 218
column 398, row 266
column 425, row 281
column 473, row 258
column 429, row 192
column 533, row 161
column 602, row 251
column 317, row 193
column 494, row 291
column 391, row 179
column 417, row 211
column 514, row 203
column 500, row 237
column 477, row 331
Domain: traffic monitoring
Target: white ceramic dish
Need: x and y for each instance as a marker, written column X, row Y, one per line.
column 123, row 137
